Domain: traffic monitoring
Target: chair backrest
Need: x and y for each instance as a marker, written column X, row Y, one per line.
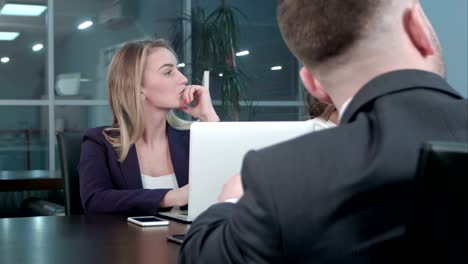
column 438, row 227
column 69, row 144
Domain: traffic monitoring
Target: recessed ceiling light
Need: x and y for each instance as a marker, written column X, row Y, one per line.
column 242, row 53
column 181, row 65
column 8, row 35
column 37, row 47
column 22, row 10
column 85, row 24
column 276, row 68
column 220, row 75
column 5, row 60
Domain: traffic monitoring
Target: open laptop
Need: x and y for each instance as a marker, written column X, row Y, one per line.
column 216, row 153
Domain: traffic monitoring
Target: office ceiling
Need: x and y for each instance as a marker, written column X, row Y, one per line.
column 67, row 15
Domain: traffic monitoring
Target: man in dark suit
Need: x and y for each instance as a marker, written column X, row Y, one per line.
column 340, row 195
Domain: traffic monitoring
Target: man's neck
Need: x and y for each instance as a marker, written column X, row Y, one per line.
column 344, row 82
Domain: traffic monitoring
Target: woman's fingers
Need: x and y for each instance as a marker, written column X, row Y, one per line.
column 185, row 96
column 203, row 108
column 192, row 92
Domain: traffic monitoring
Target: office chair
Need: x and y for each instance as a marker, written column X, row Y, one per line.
column 33, row 206
column 437, row 230
column 69, row 144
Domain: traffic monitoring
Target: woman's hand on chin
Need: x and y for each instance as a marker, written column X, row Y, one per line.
column 202, row 108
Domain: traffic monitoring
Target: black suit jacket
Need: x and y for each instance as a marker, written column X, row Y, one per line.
column 338, row 195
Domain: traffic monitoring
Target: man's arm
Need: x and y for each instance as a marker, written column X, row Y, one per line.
column 246, row 232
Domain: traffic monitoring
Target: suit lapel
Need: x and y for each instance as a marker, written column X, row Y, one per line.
column 131, row 170
column 179, row 155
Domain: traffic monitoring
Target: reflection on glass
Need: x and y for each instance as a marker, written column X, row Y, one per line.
column 88, row 32
column 23, row 138
column 68, row 83
column 260, row 48
column 22, row 69
column 79, row 118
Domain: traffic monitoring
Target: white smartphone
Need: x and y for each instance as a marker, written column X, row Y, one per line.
column 147, row 221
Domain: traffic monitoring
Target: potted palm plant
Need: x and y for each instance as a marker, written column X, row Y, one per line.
column 214, row 41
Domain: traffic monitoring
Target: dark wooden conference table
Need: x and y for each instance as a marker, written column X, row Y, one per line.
column 85, row 239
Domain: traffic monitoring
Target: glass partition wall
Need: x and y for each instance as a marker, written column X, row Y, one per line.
column 23, row 95
column 53, row 73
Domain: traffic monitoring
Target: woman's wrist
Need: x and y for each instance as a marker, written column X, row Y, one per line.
column 210, row 117
column 168, row 200
column 172, row 198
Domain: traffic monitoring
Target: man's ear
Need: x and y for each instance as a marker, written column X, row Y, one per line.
column 313, row 86
column 416, row 28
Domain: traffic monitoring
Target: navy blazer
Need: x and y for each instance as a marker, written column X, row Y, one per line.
column 108, row 186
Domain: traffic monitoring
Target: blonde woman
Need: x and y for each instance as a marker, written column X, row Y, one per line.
column 139, row 164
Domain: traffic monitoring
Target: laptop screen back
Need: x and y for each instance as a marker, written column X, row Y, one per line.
column 218, row 148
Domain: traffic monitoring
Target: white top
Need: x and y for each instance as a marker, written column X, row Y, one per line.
column 160, row 182
column 320, row 123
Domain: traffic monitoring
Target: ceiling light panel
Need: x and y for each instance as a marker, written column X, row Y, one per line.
column 8, row 35
column 22, row 10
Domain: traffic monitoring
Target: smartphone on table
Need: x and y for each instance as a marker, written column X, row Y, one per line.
column 178, row 239
column 147, row 221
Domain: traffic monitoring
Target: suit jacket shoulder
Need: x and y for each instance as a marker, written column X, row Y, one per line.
column 339, row 178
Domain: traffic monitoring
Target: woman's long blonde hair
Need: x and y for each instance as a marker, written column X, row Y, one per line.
column 125, row 79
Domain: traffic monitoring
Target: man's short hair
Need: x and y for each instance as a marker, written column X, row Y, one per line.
column 318, row 30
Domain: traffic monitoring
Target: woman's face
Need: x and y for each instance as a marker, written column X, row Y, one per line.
column 163, row 83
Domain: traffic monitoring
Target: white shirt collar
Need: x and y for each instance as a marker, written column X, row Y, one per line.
column 345, row 105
